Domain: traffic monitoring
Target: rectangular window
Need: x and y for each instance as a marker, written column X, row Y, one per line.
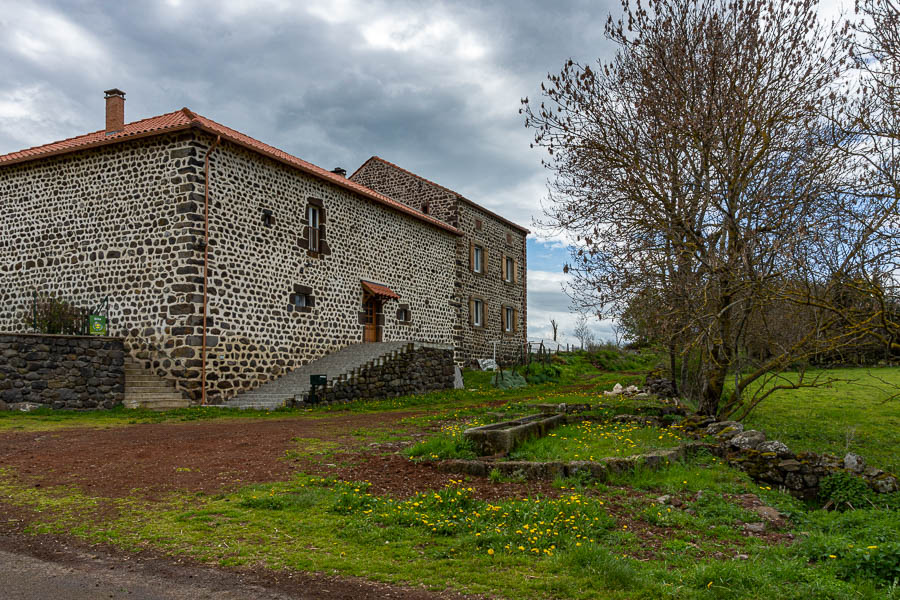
column 510, row 270
column 312, row 217
column 301, row 300
column 478, row 260
column 509, row 325
column 478, row 313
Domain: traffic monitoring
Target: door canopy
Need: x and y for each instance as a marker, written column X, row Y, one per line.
column 379, row 290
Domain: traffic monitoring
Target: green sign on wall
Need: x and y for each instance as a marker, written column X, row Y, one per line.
column 97, row 324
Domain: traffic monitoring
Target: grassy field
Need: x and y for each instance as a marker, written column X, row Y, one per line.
column 857, row 413
column 616, row 540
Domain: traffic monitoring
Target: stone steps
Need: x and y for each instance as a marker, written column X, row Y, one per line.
column 343, row 363
column 144, row 389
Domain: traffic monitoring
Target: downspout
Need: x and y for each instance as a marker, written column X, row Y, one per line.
column 205, row 269
column 525, row 292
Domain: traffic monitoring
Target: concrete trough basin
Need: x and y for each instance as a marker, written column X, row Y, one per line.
column 501, row 438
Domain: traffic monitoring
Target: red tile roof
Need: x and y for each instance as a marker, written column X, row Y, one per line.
column 448, row 190
column 185, row 119
column 379, row 290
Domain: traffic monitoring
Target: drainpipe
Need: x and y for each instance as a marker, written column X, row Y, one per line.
column 205, row 269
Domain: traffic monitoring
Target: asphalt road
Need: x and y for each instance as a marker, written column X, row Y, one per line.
column 24, row 577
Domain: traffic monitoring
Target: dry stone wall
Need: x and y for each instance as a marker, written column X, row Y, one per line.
column 58, row 371
column 480, row 227
column 417, row 369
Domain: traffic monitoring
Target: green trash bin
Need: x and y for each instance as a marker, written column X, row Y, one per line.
column 316, row 381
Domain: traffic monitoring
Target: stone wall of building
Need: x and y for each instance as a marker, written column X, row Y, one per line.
column 417, row 369
column 125, row 221
column 260, row 260
column 118, row 221
column 59, row 371
column 413, row 191
column 499, row 240
column 497, row 236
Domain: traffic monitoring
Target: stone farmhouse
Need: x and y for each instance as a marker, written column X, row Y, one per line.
column 229, row 263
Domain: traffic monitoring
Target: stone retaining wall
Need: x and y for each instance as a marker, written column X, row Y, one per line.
column 772, row 462
column 418, row 369
column 60, row 371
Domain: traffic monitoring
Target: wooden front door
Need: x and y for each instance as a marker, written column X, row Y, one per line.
column 371, row 330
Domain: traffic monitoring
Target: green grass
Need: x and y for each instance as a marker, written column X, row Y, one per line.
column 590, row 440
column 573, row 546
column 854, row 415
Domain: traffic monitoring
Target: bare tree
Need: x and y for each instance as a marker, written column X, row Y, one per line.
column 582, row 331
column 555, row 325
column 700, row 178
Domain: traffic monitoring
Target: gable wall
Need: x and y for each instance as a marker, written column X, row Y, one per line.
column 115, row 221
column 409, row 189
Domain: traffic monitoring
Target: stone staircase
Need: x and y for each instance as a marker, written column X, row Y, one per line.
column 337, row 365
column 143, row 389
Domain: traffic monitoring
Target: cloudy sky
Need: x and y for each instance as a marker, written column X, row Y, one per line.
column 432, row 86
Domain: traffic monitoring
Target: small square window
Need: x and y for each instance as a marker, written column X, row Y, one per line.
column 478, row 224
column 425, row 208
column 478, row 313
column 478, row 259
column 403, row 315
column 268, row 217
column 301, row 300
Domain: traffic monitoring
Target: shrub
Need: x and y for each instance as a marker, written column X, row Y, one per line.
column 879, row 563
column 55, row 316
column 507, row 380
column 844, row 491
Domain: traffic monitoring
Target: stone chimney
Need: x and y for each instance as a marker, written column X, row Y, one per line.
column 115, row 110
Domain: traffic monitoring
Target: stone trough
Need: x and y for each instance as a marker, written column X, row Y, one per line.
column 501, row 438
column 598, row 470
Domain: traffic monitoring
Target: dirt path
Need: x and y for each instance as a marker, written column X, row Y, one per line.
column 153, row 459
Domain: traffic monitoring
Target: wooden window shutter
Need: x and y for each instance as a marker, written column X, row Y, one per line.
column 515, row 326
column 502, row 317
column 503, row 274
column 515, row 273
column 484, row 317
column 484, row 257
column 471, row 256
column 471, row 311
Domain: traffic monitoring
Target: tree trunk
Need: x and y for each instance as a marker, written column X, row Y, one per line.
column 672, row 375
column 711, row 393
